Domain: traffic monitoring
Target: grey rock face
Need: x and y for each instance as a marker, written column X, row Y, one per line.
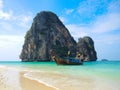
column 47, row 32
column 85, row 46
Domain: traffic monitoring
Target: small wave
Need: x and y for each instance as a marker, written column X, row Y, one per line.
column 40, row 81
column 2, row 66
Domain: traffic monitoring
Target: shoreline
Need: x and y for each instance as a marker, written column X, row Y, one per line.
column 16, row 80
column 37, row 78
column 37, row 85
column 39, row 81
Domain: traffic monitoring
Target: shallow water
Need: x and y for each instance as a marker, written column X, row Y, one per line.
column 100, row 75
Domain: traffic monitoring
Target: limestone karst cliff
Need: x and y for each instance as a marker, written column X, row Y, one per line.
column 48, row 32
column 85, row 46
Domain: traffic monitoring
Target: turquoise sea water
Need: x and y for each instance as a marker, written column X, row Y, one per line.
column 99, row 71
column 107, row 69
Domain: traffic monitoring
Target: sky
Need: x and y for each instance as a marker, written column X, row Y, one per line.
column 99, row 19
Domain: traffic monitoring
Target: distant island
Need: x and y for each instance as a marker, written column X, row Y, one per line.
column 104, row 60
column 49, row 33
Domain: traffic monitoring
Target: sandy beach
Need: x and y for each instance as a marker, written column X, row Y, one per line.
column 28, row 79
column 14, row 80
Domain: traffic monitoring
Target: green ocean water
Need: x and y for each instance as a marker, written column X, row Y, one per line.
column 99, row 75
column 100, row 69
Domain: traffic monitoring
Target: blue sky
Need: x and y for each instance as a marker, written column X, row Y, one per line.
column 99, row 19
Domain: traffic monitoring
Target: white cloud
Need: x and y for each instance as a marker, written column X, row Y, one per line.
column 24, row 20
column 88, row 8
column 106, row 23
column 12, row 29
column 17, row 25
column 63, row 19
column 4, row 15
column 102, row 26
column 1, row 4
column 6, row 27
column 110, row 21
column 69, row 11
column 10, row 47
column 107, row 39
column 114, row 6
column 77, row 31
column 9, row 40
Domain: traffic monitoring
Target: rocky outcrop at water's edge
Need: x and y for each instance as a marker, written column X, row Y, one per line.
column 48, row 33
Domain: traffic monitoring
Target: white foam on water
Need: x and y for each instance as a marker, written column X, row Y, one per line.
column 40, row 81
column 2, row 66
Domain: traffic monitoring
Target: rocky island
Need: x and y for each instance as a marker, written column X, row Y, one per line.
column 48, row 32
column 85, row 46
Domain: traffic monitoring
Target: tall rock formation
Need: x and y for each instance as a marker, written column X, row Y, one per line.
column 85, row 46
column 47, row 32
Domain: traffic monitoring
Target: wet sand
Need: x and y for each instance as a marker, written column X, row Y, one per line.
column 28, row 84
column 66, row 82
column 15, row 80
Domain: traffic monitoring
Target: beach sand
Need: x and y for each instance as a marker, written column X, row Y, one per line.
column 67, row 82
column 14, row 80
